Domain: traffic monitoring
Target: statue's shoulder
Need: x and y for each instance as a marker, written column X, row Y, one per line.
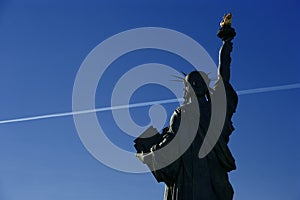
column 180, row 110
column 186, row 107
column 183, row 110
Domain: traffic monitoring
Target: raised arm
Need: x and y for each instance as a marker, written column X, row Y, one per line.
column 226, row 33
column 225, row 60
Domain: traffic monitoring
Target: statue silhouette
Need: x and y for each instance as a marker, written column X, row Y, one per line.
column 190, row 177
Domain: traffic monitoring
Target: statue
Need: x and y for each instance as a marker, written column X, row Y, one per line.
column 190, row 177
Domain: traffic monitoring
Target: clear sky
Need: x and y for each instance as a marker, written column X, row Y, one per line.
column 42, row 45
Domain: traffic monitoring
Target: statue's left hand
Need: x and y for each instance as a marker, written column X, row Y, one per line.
column 140, row 156
column 143, row 157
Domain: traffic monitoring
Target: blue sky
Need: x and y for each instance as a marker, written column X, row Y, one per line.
column 43, row 44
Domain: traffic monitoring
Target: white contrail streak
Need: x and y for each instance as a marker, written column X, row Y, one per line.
column 269, row 89
column 143, row 104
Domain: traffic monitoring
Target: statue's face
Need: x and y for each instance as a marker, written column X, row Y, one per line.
column 186, row 91
column 194, row 84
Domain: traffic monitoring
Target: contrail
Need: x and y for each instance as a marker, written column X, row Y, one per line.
column 143, row 104
column 269, row 89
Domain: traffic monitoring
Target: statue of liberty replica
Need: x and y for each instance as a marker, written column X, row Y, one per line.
column 190, row 176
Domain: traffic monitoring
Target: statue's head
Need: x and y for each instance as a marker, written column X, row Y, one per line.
column 196, row 82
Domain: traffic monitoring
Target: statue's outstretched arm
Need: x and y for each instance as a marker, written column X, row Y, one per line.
column 226, row 33
column 225, row 60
